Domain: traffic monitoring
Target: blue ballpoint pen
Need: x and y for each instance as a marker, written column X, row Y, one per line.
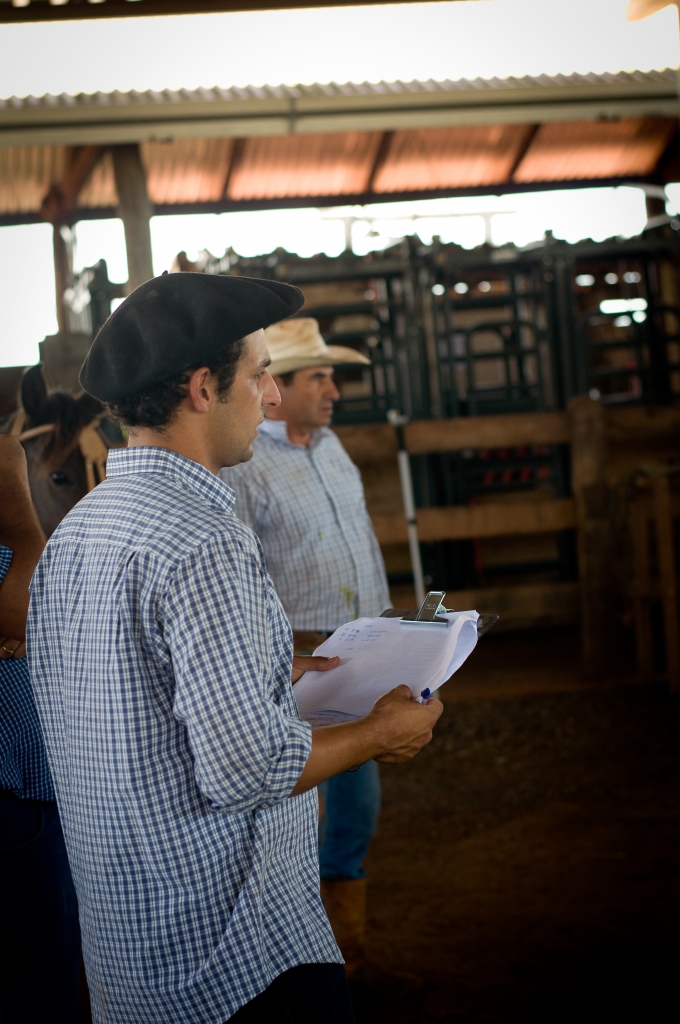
column 424, row 696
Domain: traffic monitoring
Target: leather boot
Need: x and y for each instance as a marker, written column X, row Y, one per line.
column 345, row 903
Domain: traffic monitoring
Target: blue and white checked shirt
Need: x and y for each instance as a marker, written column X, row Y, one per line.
column 160, row 658
column 307, row 507
column 23, row 763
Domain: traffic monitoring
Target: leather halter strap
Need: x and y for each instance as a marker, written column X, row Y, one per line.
column 18, row 423
column 92, row 448
column 26, row 435
column 94, row 452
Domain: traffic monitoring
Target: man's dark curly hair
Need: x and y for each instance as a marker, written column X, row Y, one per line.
column 155, row 407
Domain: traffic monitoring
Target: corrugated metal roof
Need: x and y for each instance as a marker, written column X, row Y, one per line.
column 339, row 163
column 271, row 153
column 188, row 170
column 99, row 190
column 185, row 171
column 243, row 112
column 611, row 80
column 611, row 149
column 204, row 171
column 26, row 175
column 435, row 158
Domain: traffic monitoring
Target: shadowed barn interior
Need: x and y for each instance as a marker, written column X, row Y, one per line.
column 525, row 867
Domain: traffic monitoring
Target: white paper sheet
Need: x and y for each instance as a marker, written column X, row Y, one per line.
column 375, row 656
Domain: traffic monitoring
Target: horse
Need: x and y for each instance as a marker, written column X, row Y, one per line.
column 65, row 447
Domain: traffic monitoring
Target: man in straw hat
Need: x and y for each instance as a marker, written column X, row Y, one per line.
column 303, row 497
column 162, row 661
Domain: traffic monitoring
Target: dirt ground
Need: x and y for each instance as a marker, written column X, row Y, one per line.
column 526, row 866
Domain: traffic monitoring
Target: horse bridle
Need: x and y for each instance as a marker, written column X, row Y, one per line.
column 92, row 448
column 95, row 454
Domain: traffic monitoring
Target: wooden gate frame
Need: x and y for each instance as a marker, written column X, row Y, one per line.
column 655, row 504
column 587, row 427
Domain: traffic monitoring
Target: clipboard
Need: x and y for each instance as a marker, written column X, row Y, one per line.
column 428, row 614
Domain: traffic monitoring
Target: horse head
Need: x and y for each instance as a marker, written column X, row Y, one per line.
column 62, row 443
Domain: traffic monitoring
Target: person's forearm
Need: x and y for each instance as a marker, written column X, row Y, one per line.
column 394, row 730
column 335, row 749
column 21, row 532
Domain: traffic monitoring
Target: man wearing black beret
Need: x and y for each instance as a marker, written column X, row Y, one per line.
column 161, row 661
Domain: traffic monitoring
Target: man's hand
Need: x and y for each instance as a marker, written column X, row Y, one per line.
column 404, row 726
column 11, row 648
column 311, row 663
column 394, row 730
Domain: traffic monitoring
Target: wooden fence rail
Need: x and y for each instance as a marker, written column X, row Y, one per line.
column 589, row 429
column 459, row 522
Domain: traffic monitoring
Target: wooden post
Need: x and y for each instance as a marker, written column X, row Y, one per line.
column 663, row 522
column 642, row 586
column 594, row 533
column 62, row 197
column 63, row 276
column 135, row 212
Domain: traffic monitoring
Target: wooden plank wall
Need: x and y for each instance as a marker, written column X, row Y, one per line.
column 606, row 444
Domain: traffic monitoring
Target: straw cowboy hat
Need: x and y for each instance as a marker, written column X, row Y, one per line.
column 298, row 345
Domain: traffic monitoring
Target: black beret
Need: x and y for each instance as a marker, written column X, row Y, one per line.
column 177, row 321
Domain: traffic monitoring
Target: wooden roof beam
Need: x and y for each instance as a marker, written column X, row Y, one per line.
column 76, row 10
column 63, row 196
column 381, row 157
column 227, row 205
column 59, row 201
column 135, row 210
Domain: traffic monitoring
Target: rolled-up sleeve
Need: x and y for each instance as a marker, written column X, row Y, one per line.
column 248, row 750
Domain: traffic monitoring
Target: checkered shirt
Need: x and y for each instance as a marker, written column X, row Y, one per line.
column 23, row 763
column 160, row 658
column 307, row 507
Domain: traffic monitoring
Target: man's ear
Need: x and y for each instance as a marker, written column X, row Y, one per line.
column 198, row 389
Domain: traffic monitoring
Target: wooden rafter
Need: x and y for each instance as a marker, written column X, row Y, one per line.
column 380, row 160
column 61, row 199
column 531, row 130
column 63, row 196
column 235, row 160
column 42, row 10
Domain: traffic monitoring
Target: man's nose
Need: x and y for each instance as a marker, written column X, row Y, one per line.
column 332, row 392
column 271, row 396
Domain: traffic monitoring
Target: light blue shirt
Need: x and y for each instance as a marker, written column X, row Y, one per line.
column 160, row 659
column 307, row 506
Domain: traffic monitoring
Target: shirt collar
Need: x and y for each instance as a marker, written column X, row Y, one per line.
column 163, row 462
column 278, row 430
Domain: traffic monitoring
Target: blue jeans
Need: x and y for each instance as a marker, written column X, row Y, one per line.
column 39, row 930
column 350, row 818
